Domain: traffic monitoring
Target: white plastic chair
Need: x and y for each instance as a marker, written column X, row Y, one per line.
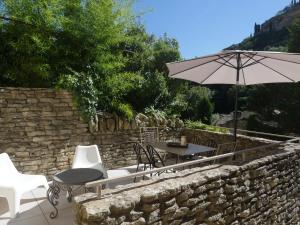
column 88, row 157
column 14, row 184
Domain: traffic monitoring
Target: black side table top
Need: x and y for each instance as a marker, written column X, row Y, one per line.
column 78, row 176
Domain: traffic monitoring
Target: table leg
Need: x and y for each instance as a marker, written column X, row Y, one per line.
column 53, row 196
column 69, row 194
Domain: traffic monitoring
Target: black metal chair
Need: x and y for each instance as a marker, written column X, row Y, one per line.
column 229, row 147
column 142, row 157
column 156, row 160
column 213, row 144
column 197, row 140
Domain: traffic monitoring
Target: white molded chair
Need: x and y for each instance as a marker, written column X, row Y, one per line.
column 14, row 184
column 88, row 157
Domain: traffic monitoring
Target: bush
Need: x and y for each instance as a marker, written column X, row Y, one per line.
column 201, row 126
column 193, row 103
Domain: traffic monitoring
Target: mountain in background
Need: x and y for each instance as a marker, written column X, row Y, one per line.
column 273, row 34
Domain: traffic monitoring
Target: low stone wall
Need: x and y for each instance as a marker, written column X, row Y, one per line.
column 263, row 191
column 243, row 142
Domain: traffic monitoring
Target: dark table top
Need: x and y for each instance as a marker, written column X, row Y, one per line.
column 78, row 176
column 191, row 149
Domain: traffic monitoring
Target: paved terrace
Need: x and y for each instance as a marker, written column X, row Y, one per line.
column 35, row 208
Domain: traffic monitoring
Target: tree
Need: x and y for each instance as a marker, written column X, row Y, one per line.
column 98, row 51
column 25, row 47
column 294, row 38
column 193, row 103
column 279, row 103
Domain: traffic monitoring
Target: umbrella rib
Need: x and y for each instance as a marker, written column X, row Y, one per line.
column 256, row 61
column 215, row 71
column 249, row 58
column 224, row 64
column 283, row 60
column 196, row 66
column 204, row 57
column 276, row 72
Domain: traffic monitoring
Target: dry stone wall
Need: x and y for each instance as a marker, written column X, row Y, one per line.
column 261, row 192
column 40, row 128
column 243, row 142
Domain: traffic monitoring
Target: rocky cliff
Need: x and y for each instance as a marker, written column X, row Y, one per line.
column 273, row 34
column 282, row 20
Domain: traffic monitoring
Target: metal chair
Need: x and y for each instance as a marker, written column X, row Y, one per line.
column 142, row 157
column 227, row 147
column 197, row 140
column 149, row 135
column 213, row 144
column 156, row 160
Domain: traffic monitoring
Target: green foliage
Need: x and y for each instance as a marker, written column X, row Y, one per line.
column 119, row 87
column 277, row 103
column 85, row 93
column 201, row 126
column 156, row 113
column 294, row 40
column 264, row 41
column 98, row 51
column 193, row 103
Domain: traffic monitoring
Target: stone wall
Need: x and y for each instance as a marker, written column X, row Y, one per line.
column 243, row 142
column 40, row 128
column 261, row 192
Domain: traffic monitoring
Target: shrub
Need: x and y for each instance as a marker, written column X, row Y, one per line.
column 201, row 126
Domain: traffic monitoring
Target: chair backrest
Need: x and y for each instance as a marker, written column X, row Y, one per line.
column 227, row 147
column 141, row 154
column 86, row 155
column 211, row 143
column 197, row 140
column 149, row 134
column 154, row 156
column 6, row 165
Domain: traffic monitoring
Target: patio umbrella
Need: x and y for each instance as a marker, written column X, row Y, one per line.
column 239, row 68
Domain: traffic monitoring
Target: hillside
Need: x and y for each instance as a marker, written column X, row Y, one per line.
column 272, row 34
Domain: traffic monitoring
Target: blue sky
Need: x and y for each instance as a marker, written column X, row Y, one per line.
column 206, row 26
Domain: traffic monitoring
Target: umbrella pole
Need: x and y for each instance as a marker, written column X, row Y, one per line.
column 238, row 68
column 235, row 111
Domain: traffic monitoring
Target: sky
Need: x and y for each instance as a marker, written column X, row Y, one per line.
column 205, row 26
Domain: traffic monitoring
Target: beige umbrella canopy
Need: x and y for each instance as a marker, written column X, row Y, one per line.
column 240, row 68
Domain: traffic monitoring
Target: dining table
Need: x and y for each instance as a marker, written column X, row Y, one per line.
column 183, row 151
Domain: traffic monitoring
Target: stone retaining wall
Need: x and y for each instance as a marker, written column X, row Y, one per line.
column 40, row 128
column 262, row 192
